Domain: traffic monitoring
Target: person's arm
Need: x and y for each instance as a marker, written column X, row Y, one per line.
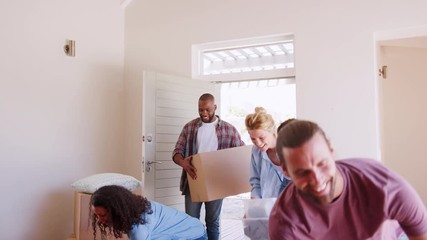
column 254, row 178
column 237, row 140
column 406, row 206
column 139, row 232
column 179, row 153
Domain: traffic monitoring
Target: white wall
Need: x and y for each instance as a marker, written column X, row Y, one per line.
column 64, row 118
column 61, row 118
column 334, row 52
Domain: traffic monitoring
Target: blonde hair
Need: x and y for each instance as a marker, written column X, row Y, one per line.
column 260, row 120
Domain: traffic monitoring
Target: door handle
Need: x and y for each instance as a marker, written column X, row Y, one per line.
column 148, row 166
column 148, row 138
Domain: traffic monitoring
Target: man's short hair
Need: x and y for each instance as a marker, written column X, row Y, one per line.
column 207, row 96
column 283, row 124
column 294, row 134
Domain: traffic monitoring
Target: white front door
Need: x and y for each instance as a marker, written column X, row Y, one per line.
column 169, row 102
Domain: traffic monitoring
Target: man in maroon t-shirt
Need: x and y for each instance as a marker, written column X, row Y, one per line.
column 345, row 199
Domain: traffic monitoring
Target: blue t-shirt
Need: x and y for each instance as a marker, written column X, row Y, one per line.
column 167, row 223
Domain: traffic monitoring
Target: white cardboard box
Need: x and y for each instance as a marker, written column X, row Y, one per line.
column 221, row 174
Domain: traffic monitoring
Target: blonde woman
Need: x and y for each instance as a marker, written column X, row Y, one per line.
column 266, row 176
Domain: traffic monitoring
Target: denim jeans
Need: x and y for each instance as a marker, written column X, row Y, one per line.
column 205, row 237
column 212, row 218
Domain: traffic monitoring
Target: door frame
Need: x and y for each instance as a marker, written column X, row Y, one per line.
column 388, row 35
column 169, row 102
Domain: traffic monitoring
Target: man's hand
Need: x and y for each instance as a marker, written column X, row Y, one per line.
column 188, row 167
column 186, row 164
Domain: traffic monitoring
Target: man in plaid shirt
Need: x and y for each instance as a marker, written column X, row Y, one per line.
column 204, row 134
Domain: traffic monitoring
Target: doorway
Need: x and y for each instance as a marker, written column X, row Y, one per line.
column 402, row 114
column 171, row 101
column 277, row 96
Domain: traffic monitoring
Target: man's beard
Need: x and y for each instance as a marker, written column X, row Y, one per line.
column 210, row 118
column 323, row 200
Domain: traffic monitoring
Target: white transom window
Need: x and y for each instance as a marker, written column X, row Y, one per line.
column 255, row 58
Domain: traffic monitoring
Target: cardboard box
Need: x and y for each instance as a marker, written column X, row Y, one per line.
column 221, row 174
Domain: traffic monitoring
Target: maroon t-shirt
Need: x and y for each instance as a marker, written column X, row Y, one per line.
column 374, row 201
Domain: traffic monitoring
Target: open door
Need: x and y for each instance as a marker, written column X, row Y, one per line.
column 169, row 102
column 403, row 114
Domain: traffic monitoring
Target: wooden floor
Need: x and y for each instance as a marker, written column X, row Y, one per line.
column 232, row 229
column 231, row 218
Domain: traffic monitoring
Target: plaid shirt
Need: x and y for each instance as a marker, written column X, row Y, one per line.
column 228, row 137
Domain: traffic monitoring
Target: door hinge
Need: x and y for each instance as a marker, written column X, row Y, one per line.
column 383, row 71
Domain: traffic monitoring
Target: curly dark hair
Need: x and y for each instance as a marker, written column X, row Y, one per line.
column 125, row 209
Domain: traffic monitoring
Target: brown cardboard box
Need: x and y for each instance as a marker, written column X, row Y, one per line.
column 221, row 174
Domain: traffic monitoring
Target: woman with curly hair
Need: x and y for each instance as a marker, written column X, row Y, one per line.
column 117, row 211
column 266, row 175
